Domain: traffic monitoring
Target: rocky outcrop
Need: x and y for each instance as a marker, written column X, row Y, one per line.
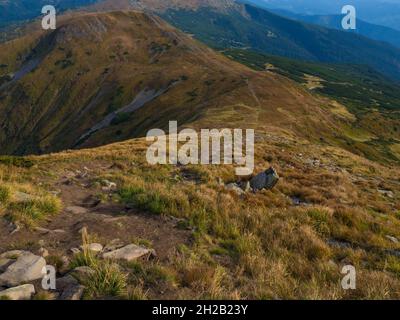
column 27, row 267
column 265, row 180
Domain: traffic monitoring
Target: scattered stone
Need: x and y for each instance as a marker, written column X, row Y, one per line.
column 24, row 292
column 28, row 267
column 42, row 230
column 386, row 193
column 58, row 231
column 128, row 253
column 73, row 293
column 393, row 239
column 235, row 187
column 76, row 210
column 108, row 185
column 265, row 180
column 43, row 252
column 94, row 247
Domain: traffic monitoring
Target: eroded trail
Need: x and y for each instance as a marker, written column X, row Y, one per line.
column 85, row 204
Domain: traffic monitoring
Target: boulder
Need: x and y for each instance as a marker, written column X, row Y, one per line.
column 65, row 282
column 265, row 180
column 24, row 292
column 128, row 253
column 28, row 267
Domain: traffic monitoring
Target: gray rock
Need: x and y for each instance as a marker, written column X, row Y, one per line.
column 108, row 185
column 265, row 180
column 28, row 267
column 73, row 293
column 24, row 292
column 65, row 282
column 393, row 239
column 128, row 253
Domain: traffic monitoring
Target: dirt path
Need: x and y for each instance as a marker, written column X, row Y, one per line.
column 105, row 221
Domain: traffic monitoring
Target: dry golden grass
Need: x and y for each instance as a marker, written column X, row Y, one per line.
column 258, row 246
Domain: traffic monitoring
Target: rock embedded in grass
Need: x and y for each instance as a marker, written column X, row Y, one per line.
column 129, row 253
column 23, row 292
column 265, row 180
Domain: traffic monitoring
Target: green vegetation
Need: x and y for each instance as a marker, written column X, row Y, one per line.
column 24, row 208
column 358, row 87
column 263, row 31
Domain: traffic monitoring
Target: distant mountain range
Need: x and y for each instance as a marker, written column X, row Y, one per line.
column 19, row 10
column 369, row 30
column 246, row 26
column 381, row 12
column 229, row 24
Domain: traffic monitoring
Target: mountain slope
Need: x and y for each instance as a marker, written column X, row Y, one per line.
column 107, row 77
column 245, row 26
column 366, row 29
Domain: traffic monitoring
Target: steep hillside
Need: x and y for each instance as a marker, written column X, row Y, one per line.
column 245, row 26
column 107, row 77
column 330, row 209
